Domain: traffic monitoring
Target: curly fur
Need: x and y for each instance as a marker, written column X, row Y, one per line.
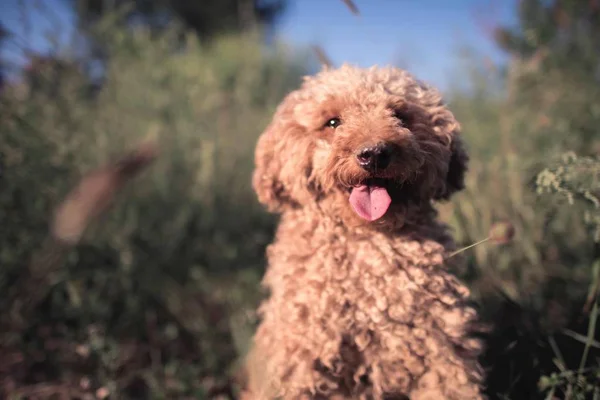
column 357, row 309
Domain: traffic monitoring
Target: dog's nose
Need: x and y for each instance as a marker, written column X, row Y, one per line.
column 375, row 158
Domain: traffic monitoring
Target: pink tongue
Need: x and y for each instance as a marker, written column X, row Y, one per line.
column 370, row 202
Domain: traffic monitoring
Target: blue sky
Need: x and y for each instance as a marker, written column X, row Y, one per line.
column 423, row 36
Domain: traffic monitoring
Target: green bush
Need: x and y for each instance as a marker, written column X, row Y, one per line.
column 160, row 296
column 535, row 287
column 512, row 136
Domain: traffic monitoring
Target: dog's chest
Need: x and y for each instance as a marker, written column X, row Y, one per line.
column 342, row 283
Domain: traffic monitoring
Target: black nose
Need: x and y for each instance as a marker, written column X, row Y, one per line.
column 375, row 158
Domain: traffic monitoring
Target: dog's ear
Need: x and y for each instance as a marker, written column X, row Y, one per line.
column 268, row 162
column 282, row 162
column 449, row 159
column 448, row 130
column 457, row 168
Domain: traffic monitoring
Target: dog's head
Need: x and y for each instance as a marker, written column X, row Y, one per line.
column 364, row 144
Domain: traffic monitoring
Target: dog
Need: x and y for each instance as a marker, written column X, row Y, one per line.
column 362, row 302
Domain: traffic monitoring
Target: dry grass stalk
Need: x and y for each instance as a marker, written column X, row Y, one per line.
column 323, row 58
column 352, row 7
column 88, row 200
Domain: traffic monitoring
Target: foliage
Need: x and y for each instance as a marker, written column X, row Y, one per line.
column 534, row 289
column 160, row 297
column 567, row 29
column 206, row 18
column 576, row 178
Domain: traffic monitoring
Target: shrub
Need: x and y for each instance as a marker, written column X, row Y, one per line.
column 159, row 297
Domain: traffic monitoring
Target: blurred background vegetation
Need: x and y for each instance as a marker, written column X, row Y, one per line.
column 157, row 301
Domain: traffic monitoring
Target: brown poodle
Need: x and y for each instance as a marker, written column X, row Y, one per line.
column 362, row 305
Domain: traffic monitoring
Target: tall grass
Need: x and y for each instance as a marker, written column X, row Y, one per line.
column 159, row 297
column 534, row 288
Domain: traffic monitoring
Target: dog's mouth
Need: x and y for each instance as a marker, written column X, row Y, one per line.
column 371, row 198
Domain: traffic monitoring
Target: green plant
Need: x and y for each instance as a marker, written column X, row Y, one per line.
column 159, row 298
column 577, row 179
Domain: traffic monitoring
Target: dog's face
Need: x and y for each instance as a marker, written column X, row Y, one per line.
column 366, row 145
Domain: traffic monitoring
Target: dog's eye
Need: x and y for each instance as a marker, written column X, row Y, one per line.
column 333, row 123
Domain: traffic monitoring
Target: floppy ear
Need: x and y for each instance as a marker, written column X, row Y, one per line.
column 448, row 156
column 448, row 129
column 457, row 168
column 283, row 162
